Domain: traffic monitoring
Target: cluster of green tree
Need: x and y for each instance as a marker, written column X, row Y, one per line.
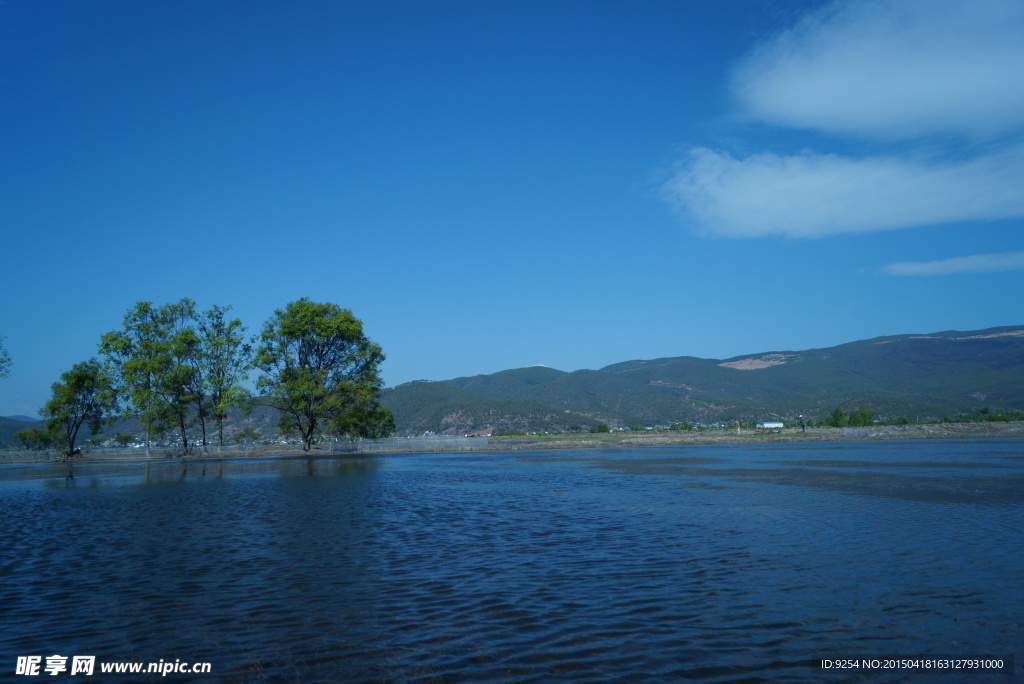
column 33, row 439
column 985, row 415
column 862, row 417
column 171, row 367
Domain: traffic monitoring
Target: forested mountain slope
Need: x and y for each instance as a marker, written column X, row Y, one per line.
column 918, row 376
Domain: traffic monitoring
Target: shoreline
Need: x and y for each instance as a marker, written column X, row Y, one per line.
column 938, row 431
column 1012, row 430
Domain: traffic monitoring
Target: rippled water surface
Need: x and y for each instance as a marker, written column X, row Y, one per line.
column 708, row 563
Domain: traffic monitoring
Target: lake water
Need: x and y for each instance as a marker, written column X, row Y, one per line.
column 710, row 563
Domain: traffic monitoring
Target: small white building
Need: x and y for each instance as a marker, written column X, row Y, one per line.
column 771, row 425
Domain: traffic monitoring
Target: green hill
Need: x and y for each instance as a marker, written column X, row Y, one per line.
column 8, row 426
column 920, row 376
column 438, row 407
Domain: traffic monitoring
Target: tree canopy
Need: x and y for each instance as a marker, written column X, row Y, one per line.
column 247, row 435
column 83, row 396
column 320, row 370
column 862, row 417
column 176, row 366
column 34, row 438
column 225, row 361
column 151, row 359
column 837, row 418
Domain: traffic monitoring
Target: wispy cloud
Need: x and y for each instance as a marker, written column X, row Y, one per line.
column 979, row 263
column 814, row 195
column 944, row 72
column 893, row 68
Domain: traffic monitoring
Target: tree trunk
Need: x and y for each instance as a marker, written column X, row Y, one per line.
column 73, row 437
column 202, row 419
column 184, row 437
column 307, row 434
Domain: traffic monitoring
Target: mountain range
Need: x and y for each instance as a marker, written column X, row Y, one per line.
column 918, row 376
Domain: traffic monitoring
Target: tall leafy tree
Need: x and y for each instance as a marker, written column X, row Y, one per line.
column 83, row 396
column 134, row 357
column 225, row 361
column 318, row 368
column 5, row 360
column 154, row 360
column 181, row 384
column 837, row 418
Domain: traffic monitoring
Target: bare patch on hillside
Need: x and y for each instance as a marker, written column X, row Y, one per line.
column 909, row 337
column 1011, row 333
column 757, row 362
column 662, row 383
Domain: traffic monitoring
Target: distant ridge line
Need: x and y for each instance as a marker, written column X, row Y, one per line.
column 919, row 376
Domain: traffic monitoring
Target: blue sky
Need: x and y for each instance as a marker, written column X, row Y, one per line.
column 491, row 185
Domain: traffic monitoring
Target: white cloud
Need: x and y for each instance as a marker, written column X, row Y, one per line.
column 814, row 195
column 929, row 71
column 979, row 263
column 893, row 68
